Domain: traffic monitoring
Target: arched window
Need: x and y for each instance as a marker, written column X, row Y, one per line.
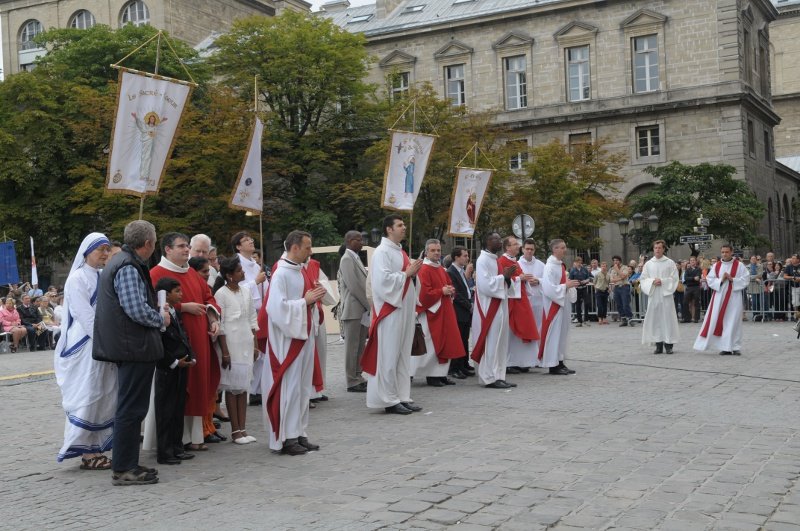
column 29, row 30
column 135, row 13
column 82, row 19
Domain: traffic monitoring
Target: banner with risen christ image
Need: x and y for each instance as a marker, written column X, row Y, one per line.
column 465, row 205
column 149, row 109
column 409, row 154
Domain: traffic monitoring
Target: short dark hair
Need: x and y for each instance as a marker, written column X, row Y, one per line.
column 616, row 257
column 529, row 241
column 724, row 245
column 295, row 238
column 456, row 252
column 197, row 262
column 662, row 242
column 237, row 238
column 489, row 235
column 167, row 284
column 388, row 222
column 116, row 243
column 168, row 240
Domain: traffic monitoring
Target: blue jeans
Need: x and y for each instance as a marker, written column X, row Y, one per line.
column 622, row 298
column 755, row 301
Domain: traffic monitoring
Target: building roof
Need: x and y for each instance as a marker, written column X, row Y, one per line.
column 416, row 13
column 791, row 162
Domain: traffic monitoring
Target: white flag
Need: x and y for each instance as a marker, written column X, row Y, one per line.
column 149, row 110
column 465, row 206
column 34, row 273
column 248, row 194
column 409, row 154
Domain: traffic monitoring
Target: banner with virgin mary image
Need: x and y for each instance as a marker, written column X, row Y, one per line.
column 149, row 110
column 465, row 205
column 409, row 155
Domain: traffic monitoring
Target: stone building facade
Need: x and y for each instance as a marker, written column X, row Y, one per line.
column 188, row 20
column 658, row 80
column 785, row 49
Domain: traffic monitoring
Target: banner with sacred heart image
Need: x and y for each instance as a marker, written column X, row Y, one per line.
column 149, row 110
column 468, row 194
column 409, row 155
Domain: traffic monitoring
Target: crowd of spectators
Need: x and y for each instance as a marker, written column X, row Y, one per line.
column 29, row 316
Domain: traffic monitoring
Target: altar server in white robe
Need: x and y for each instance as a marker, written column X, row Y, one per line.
column 527, row 355
column 292, row 322
column 490, row 328
column 387, row 357
column 88, row 387
column 722, row 326
column 659, row 280
column 559, row 293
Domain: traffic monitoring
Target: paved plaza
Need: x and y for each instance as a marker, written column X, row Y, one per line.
column 632, row 441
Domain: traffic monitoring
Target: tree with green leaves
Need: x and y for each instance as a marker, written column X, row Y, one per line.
column 309, row 74
column 685, row 191
column 569, row 194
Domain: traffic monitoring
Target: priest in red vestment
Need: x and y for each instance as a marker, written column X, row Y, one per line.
column 522, row 342
column 200, row 318
column 437, row 315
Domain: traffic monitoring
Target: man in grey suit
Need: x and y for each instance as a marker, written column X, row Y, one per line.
column 352, row 278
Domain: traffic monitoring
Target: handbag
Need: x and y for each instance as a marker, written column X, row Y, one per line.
column 418, row 347
column 681, row 288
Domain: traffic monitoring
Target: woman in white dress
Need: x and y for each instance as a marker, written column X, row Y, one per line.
column 238, row 344
column 88, row 387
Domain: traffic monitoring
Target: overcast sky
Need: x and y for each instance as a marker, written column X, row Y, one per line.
column 353, row 3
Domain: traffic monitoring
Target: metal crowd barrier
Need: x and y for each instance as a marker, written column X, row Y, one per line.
column 760, row 304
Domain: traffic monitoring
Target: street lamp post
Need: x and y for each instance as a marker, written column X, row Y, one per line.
column 637, row 235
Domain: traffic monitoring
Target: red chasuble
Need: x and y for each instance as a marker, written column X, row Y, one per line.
column 520, row 314
column 715, row 300
column 203, row 378
column 442, row 324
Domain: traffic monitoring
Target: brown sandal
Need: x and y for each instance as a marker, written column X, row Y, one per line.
column 98, row 462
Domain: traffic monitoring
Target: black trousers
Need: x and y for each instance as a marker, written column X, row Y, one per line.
column 582, row 305
column 602, row 303
column 133, row 399
column 691, row 299
column 462, row 364
column 170, row 400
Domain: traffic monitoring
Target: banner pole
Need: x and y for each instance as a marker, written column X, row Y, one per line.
column 155, row 71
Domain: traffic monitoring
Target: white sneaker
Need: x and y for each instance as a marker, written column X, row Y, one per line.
column 250, row 439
column 242, row 440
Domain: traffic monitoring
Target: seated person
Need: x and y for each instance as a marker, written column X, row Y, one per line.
column 32, row 322
column 49, row 320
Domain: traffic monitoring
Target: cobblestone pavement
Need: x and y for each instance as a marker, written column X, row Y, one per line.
column 632, row 441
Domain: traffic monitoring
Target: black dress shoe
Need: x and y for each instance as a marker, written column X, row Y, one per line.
column 737, row 352
column 359, row 388
column 559, row 370
column 458, row 375
column 524, row 370
column 184, row 456
column 221, row 418
column 668, row 348
column 562, row 366
column 659, row 348
column 447, row 381
column 398, row 409
column 211, row 438
column 169, row 461
column 217, row 424
column 468, row 372
column 220, row 436
column 303, row 441
column 411, row 407
column 292, row 447
column 726, row 353
column 509, row 383
column 435, row 382
column 321, row 398
column 512, row 370
column 255, row 400
column 498, row 384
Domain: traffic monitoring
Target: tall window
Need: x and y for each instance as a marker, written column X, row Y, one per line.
column 516, row 82
column 29, row 30
column 763, row 67
column 135, row 13
column 767, row 147
column 648, row 141
column 400, row 82
column 748, row 65
column 454, row 77
column 751, row 138
column 645, row 63
column 578, row 73
column 519, row 154
column 83, row 19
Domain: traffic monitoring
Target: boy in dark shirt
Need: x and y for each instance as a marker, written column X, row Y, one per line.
column 170, row 381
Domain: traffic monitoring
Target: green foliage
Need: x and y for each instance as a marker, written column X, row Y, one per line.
column 684, row 191
column 85, row 56
column 569, row 195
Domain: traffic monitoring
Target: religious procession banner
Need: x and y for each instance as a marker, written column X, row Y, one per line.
column 465, row 205
column 149, row 110
column 409, row 154
column 248, row 191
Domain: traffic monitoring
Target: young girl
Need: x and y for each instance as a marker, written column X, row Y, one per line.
column 238, row 344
